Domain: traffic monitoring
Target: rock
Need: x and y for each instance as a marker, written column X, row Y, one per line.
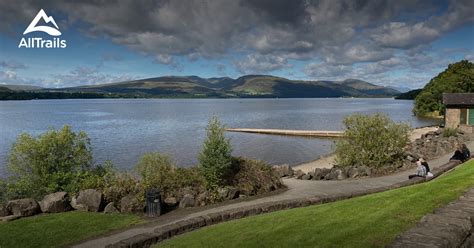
column 233, row 193
column 340, row 175
column 222, row 192
column 9, row 218
column 24, row 207
column 91, row 199
column 241, row 196
column 171, row 201
column 77, row 206
column 331, row 175
column 4, row 210
column 110, row 208
column 130, row 204
column 318, row 174
column 352, row 172
column 55, row 203
column 364, row 171
column 283, row 170
column 299, row 174
column 187, row 201
column 202, row 199
column 306, row 177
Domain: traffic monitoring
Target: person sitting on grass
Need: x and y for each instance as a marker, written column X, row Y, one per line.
column 465, row 152
column 420, row 171
column 458, row 154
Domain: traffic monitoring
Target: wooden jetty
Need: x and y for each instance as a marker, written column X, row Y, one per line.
column 306, row 133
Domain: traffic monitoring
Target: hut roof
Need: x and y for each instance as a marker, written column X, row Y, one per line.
column 458, row 99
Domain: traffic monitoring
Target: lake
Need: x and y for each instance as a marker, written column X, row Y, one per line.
column 122, row 130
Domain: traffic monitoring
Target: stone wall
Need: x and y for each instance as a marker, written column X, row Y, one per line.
column 450, row 226
column 186, row 225
column 452, row 117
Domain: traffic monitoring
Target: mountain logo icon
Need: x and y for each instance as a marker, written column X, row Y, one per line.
column 47, row 29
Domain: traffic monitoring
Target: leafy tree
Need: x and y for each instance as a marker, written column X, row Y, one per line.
column 215, row 160
column 373, row 141
column 54, row 161
column 457, row 78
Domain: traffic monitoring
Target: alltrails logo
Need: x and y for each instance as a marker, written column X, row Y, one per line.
column 38, row 42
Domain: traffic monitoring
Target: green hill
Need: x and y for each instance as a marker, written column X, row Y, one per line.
column 246, row 86
column 197, row 87
column 410, row 95
column 457, row 78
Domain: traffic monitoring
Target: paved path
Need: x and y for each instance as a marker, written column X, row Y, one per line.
column 296, row 189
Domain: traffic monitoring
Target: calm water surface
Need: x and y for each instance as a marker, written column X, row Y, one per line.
column 122, row 129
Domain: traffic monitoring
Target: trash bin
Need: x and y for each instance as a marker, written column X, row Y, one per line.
column 153, row 203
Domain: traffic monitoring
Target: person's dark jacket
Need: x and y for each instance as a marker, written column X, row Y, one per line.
column 427, row 167
column 466, row 154
column 458, row 156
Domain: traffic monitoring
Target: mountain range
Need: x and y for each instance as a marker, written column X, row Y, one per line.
column 245, row 86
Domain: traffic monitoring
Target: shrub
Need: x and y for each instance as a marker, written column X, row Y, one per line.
column 215, row 159
column 158, row 171
column 120, row 184
column 448, row 132
column 254, row 176
column 54, row 161
column 374, row 141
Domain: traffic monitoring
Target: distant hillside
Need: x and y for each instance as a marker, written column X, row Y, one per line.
column 246, row 86
column 21, row 87
column 457, row 78
column 410, row 95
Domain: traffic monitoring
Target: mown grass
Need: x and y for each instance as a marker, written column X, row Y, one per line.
column 58, row 230
column 368, row 221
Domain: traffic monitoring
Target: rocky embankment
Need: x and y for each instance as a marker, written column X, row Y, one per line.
column 429, row 146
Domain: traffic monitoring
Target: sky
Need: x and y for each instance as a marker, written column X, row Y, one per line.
column 399, row 43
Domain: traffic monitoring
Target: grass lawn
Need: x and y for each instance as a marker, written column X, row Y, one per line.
column 368, row 221
column 57, row 230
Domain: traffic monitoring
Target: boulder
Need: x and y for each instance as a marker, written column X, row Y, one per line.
column 223, row 192
column 299, row 174
column 91, row 199
column 233, row 193
column 4, row 210
column 318, row 174
column 171, row 201
column 283, row 170
column 55, row 203
column 202, row 199
column 76, row 205
column 352, row 172
column 332, row 175
column 340, row 174
column 130, row 204
column 23, row 207
column 306, row 177
column 187, row 201
column 110, row 208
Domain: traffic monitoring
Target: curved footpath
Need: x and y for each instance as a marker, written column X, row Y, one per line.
column 300, row 193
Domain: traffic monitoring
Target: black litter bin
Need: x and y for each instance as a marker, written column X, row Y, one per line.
column 153, row 203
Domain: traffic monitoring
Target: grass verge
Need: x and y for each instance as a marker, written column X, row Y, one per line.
column 368, row 221
column 58, row 230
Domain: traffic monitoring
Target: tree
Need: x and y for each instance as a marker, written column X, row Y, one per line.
column 53, row 161
column 373, row 141
column 457, row 78
column 215, row 159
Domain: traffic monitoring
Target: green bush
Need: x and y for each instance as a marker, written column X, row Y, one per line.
column 448, row 132
column 215, row 159
column 254, row 176
column 373, row 141
column 57, row 160
column 159, row 171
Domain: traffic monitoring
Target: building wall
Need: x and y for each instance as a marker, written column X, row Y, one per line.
column 452, row 117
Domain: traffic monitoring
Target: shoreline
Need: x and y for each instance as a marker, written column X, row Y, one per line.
column 327, row 160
